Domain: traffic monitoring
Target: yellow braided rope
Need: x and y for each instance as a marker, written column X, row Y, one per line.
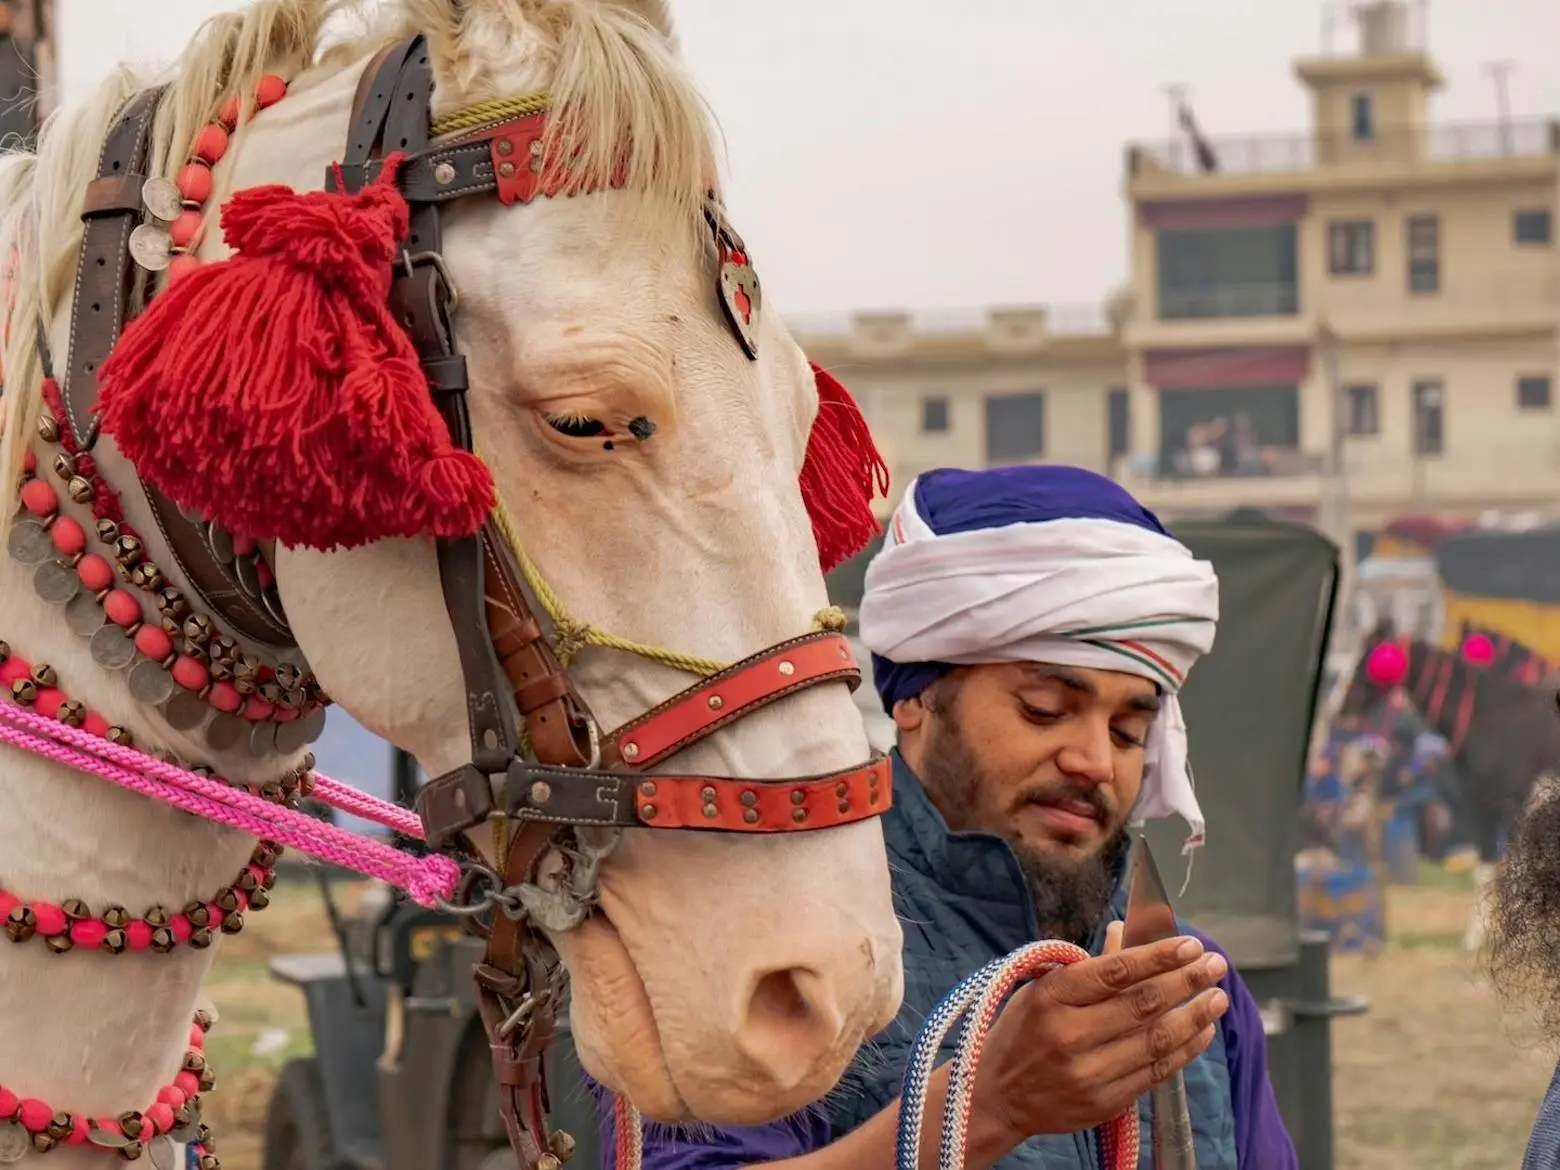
column 488, row 112
column 571, row 636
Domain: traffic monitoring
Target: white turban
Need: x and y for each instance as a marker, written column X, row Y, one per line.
column 1091, row 580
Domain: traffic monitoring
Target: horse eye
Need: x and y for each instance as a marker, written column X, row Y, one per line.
column 576, row 426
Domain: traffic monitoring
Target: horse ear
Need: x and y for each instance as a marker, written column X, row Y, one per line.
column 658, row 13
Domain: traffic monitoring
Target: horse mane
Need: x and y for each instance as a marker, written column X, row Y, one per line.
column 613, row 67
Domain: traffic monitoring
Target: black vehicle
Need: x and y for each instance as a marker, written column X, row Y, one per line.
column 401, row 1078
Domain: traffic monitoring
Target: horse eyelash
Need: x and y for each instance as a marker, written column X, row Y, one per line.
column 576, row 426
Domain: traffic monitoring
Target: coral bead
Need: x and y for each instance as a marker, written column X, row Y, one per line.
column 95, row 724
column 211, row 144
column 194, row 182
column 255, row 709
column 228, row 114
column 40, row 498
column 171, row 1097
column 154, row 642
column 188, row 1083
column 138, row 937
column 160, row 1116
column 14, row 670
column 51, row 919
column 9, row 1103
column 271, row 90
column 89, row 933
column 225, row 697
column 48, row 701
column 184, row 229
column 122, row 608
column 68, row 536
column 95, row 572
column 34, row 1115
column 189, row 673
column 180, row 267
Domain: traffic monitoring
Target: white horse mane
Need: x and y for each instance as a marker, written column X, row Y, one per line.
column 610, row 63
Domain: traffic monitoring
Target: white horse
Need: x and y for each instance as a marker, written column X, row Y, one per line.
column 726, row 977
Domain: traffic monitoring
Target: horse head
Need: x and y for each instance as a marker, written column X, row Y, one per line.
column 644, row 424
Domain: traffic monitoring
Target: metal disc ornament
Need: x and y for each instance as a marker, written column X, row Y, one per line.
column 29, row 543
column 226, row 732
column 55, row 583
column 162, row 1152
column 272, row 600
column 219, row 541
column 185, row 710
column 14, row 1142
column 313, row 725
column 151, row 684
column 162, row 199
column 151, row 247
column 297, row 734
column 190, row 1131
column 84, row 615
column 113, row 649
column 262, row 738
column 247, row 570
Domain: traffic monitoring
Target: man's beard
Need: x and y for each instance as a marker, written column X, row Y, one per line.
column 1071, row 895
column 1524, row 928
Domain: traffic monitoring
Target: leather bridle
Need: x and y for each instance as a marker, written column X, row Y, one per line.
column 574, row 775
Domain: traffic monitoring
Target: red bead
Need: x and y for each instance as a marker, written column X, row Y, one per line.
column 271, row 90
column 40, row 498
column 48, row 701
column 181, row 266
column 187, row 1083
column 29, row 462
column 89, row 933
column 68, row 536
column 14, row 670
column 9, row 1104
column 256, row 709
column 194, row 182
column 189, row 674
column 94, row 724
column 138, row 937
column 154, row 642
column 95, row 572
column 172, row 1097
column 258, row 872
column 122, row 608
column 51, row 919
column 161, row 1117
column 211, row 143
column 34, row 1115
column 197, row 1038
column 8, row 902
column 214, row 916
column 108, row 1124
column 180, row 925
column 185, row 228
column 228, row 114
column 78, row 1131
column 224, row 696
column 285, row 714
column 243, row 901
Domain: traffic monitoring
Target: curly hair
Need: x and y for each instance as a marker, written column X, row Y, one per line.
column 1523, row 947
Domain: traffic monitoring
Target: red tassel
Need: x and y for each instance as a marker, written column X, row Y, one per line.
column 841, row 474
column 275, row 393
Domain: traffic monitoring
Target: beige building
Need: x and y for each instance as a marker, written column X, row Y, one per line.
column 1378, row 296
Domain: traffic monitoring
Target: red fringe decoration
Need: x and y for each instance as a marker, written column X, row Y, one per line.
column 841, row 474
column 274, row 392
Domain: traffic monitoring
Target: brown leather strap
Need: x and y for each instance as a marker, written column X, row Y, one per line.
column 104, row 272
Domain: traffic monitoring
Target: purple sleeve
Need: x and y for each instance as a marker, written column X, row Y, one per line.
column 705, row 1147
column 1261, row 1141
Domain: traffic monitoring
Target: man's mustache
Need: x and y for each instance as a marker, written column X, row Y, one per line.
column 1055, row 794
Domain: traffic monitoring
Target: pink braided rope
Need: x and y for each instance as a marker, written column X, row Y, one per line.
column 425, row 879
column 348, row 799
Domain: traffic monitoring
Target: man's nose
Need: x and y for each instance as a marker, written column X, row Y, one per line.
column 1088, row 755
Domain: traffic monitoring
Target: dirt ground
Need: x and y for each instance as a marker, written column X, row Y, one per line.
column 1433, row 1076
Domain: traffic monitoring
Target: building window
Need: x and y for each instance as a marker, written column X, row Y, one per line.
column 1533, row 392
column 1535, row 226
column 1118, row 416
column 1227, row 272
column 1424, row 254
column 1363, row 415
column 1351, row 248
column 1015, row 427
column 1215, row 431
column 1429, row 425
column 934, row 415
column 1362, row 117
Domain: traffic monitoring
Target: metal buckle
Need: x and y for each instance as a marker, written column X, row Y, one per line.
column 409, row 262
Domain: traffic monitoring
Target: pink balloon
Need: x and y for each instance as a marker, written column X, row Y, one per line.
column 1478, row 650
column 1387, row 665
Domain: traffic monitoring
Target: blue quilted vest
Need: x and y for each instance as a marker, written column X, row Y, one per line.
column 963, row 901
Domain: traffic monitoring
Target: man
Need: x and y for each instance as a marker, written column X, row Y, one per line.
column 1030, row 628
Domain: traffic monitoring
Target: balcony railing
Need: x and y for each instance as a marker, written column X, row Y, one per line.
column 1184, row 466
column 1457, row 142
column 1266, row 299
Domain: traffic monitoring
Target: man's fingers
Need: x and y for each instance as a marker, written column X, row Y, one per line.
column 1149, row 1055
column 1135, row 1084
column 1107, row 976
column 1114, row 933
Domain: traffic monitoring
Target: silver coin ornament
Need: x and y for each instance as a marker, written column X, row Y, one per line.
column 151, row 247
column 84, row 615
column 184, row 1134
column 56, row 583
column 226, row 732
column 262, row 738
column 113, row 649
column 151, row 684
column 14, row 1142
column 220, row 541
column 185, row 710
column 160, row 197
column 162, row 1152
column 29, row 543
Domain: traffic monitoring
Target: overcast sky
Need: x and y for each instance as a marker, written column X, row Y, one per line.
column 884, row 154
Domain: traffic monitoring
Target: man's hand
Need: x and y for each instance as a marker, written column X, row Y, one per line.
column 1080, row 1045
